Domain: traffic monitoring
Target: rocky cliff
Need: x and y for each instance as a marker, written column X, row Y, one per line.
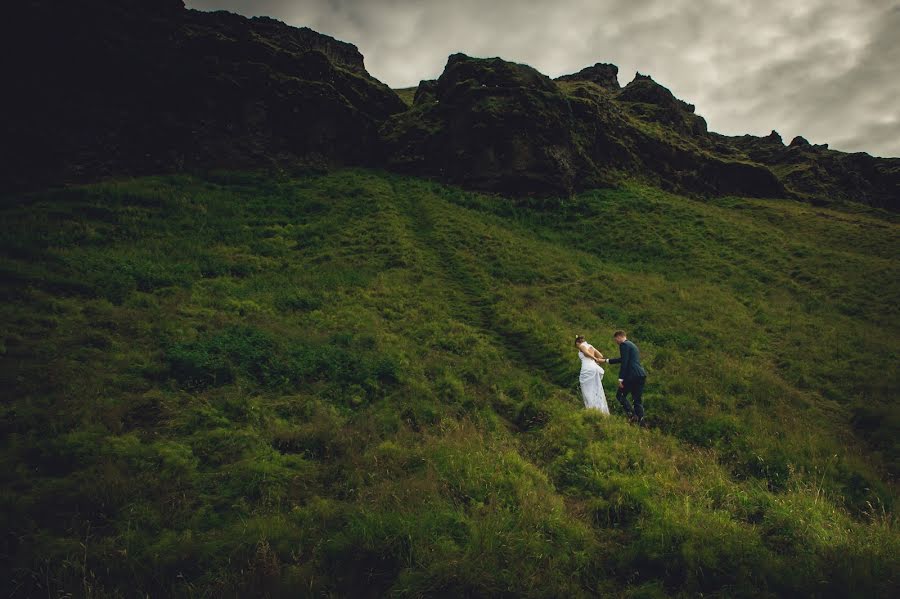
column 501, row 126
column 134, row 86
column 139, row 86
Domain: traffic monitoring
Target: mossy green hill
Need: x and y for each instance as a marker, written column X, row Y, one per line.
column 356, row 383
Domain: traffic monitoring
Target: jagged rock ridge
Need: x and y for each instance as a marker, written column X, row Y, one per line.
column 135, row 86
column 501, row 126
column 603, row 74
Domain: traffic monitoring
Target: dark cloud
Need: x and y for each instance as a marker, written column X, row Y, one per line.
column 824, row 69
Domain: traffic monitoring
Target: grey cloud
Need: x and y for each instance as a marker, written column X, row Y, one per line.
column 824, row 69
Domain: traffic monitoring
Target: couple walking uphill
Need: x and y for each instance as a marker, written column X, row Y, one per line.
column 631, row 376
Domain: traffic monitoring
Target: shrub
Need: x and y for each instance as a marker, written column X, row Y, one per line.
column 216, row 359
column 300, row 300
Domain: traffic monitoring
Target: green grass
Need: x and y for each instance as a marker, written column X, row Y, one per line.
column 358, row 383
column 407, row 94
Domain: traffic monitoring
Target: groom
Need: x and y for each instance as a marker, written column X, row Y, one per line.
column 631, row 377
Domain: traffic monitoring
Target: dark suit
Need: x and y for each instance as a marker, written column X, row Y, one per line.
column 633, row 377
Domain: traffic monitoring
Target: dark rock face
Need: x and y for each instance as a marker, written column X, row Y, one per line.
column 112, row 87
column 426, row 92
column 603, row 74
column 814, row 172
column 501, row 126
column 488, row 124
column 654, row 102
column 490, row 73
column 644, row 89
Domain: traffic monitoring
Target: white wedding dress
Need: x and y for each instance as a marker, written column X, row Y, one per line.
column 591, row 379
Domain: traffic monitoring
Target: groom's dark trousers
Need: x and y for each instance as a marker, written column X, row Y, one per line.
column 636, row 388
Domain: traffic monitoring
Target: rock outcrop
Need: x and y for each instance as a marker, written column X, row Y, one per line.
column 654, row 102
column 132, row 86
column 774, row 137
column 106, row 87
column 500, row 126
column 488, row 124
column 603, row 74
column 816, row 173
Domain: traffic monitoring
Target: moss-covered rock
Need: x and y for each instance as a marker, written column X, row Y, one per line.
column 603, row 74
column 814, row 172
column 652, row 101
column 500, row 126
column 490, row 124
column 135, row 87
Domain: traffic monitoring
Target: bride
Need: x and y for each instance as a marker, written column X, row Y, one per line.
column 591, row 377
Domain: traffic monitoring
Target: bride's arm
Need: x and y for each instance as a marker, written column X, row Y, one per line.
column 591, row 352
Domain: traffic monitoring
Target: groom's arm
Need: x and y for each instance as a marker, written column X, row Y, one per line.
column 625, row 360
column 623, row 351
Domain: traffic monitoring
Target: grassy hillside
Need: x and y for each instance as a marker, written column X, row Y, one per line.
column 407, row 94
column 356, row 383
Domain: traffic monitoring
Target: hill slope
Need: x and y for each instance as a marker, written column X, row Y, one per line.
column 360, row 383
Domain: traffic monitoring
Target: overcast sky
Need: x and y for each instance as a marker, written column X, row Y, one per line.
column 825, row 69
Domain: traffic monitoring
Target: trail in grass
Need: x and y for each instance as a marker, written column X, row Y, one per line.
column 469, row 288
